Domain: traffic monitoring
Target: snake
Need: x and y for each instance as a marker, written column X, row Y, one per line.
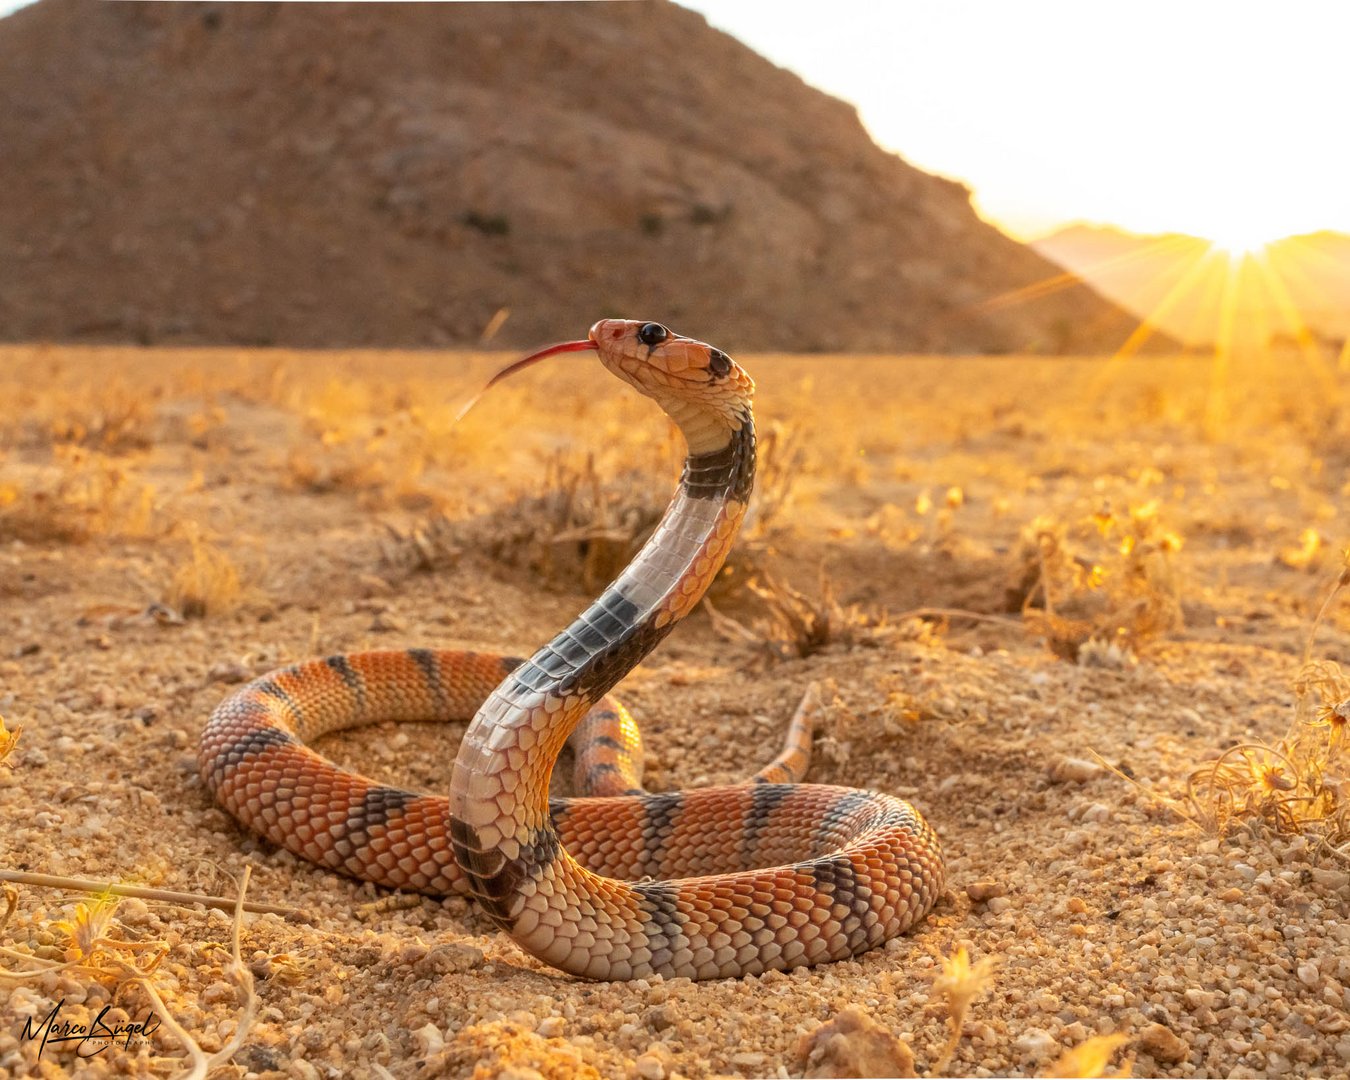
column 616, row 883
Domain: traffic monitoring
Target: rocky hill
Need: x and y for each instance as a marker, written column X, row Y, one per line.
column 399, row 175
column 1197, row 292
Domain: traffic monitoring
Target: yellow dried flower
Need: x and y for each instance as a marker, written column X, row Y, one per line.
column 8, row 741
column 960, row 981
column 1090, row 1057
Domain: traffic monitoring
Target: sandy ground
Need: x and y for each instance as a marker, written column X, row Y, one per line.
column 292, row 496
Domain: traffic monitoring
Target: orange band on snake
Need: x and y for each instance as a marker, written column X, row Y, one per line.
column 621, row 884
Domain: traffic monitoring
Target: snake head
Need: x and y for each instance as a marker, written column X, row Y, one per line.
column 699, row 386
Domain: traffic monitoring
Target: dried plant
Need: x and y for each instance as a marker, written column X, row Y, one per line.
column 795, row 625
column 207, row 583
column 1091, row 1057
column 8, row 741
column 81, row 494
column 428, row 546
column 573, row 527
column 113, row 419
column 1299, row 785
column 91, row 949
column 1112, row 588
column 958, row 983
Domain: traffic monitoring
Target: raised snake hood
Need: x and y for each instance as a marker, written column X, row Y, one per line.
column 398, row 175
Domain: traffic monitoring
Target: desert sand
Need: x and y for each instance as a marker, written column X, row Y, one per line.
column 175, row 522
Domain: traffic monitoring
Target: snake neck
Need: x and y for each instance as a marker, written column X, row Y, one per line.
column 499, row 789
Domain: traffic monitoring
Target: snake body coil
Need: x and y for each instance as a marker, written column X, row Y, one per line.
column 707, row 883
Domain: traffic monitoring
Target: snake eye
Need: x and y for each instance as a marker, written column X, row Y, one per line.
column 719, row 364
column 652, row 333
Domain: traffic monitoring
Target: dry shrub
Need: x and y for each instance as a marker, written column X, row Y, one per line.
column 1301, row 784
column 103, row 414
column 379, row 450
column 113, row 418
column 425, row 547
column 1101, row 592
column 795, row 625
column 588, row 513
column 207, row 583
column 81, row 494
column 574, row 529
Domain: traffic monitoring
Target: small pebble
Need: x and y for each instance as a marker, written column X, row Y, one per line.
column 980, row 891
column 1072, row 770
column 429, row 1039
column 1162, row 1043
column 1036, row 1044
column 551, row 1027
column 519, row 1072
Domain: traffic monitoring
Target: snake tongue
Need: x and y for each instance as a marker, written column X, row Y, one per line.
column 520, row 365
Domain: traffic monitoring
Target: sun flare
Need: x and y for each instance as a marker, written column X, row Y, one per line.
column 1240, row 241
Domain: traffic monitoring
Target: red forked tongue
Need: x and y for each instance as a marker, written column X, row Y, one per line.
column 520, row 365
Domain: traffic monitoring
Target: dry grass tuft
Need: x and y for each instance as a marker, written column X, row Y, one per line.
column 1300, row 785
column 80, row 494
column 795, row 625
column 425, row 547
column 1102, row 592
column 206, row 584
column 114, row 419
column 572, row 529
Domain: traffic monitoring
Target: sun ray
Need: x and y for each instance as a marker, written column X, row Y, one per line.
column 1216, row 403
column 1069, row 279
column 1303, row 337
column 1146, row 328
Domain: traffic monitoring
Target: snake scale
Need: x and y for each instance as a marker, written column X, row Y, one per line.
column 622, row 883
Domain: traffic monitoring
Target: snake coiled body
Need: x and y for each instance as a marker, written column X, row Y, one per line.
column 622, row 883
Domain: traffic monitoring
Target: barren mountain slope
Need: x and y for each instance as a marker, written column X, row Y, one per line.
column 322, row 174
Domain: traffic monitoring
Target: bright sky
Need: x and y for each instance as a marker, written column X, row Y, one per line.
column 1224, row 120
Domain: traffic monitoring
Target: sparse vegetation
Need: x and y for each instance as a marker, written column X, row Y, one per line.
column 335, row 482
column 1301, row 783
column 206, row 583
column 795, row 625
column 1107, row 587
column 92, row 944
column 79, row 494
column 1092, row 1057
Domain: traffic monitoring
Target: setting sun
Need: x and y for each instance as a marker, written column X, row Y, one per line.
column 1239, row 242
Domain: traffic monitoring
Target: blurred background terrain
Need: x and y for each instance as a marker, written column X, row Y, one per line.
column 336, row 175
